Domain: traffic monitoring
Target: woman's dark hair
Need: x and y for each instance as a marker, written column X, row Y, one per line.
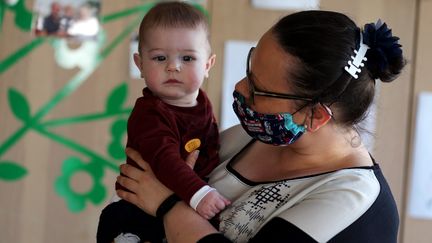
column 323, row 42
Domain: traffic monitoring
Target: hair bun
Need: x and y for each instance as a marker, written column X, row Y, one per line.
column 384, row 58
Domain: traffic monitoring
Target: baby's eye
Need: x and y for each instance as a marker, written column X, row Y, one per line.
column 188, row 58
column 159, row 58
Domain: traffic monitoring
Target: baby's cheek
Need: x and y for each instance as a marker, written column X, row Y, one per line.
column 195, row 81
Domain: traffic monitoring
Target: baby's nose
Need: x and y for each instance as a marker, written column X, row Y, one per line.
column 173, row 66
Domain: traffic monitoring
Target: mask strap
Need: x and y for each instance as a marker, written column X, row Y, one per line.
column 313, row 109
column 301, row 108
column 328, row 110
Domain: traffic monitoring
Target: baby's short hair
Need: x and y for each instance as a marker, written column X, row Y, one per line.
column 172, row 15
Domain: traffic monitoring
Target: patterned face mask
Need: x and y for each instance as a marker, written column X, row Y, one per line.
column 276, row 129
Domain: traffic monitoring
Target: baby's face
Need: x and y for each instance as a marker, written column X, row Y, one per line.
column 174, row 63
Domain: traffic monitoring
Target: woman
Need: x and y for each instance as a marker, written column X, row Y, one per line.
column 305, row 176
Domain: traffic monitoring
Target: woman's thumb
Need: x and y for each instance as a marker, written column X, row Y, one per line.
column 192, row 158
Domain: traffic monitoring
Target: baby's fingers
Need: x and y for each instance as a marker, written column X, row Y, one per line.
column 209, row 215
column 219, row 205
column 226, row 201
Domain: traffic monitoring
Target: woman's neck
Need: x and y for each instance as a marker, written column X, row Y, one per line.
column 328, row 148
column 314, row 153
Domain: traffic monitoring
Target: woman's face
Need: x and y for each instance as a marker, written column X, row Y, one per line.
column 270, row 67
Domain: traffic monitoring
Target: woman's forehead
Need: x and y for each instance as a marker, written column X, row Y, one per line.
column 268, row 54
column 271, row 66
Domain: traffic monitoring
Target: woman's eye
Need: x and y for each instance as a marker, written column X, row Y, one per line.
column 188, row 58
column 159, row 58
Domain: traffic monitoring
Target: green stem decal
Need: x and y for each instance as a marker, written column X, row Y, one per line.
column 21, row 53
column 77, row 147
column 115, row 111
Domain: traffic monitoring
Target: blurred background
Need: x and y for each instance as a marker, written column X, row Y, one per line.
column 67, row 85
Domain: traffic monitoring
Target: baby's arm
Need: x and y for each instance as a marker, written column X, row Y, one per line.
column 208, row 202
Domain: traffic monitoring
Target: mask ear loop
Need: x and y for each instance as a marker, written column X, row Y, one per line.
column 328, row 110
column 312, row 116
column 301, row 108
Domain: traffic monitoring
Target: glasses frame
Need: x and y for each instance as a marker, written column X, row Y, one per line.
column 255, row 91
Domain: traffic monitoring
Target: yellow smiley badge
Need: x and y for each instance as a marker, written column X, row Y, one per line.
column 192, row 145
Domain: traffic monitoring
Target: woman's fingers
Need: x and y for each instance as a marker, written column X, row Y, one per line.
column 128, row 196
column 144, row 189
column 131, row 172
column 135, row 156
column 130, row 184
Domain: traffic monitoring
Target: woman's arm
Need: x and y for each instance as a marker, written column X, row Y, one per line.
column 182, row 223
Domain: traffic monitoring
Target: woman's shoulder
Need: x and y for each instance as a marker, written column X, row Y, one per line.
column 346, row 201
column 332, row 201
column 321, row 205
column 232, row 140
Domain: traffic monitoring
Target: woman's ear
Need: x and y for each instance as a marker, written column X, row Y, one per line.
column 319, row 116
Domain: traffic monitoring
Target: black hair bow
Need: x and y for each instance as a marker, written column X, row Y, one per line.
column 384, row 47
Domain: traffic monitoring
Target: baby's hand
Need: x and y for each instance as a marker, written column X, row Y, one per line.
column 211, row 204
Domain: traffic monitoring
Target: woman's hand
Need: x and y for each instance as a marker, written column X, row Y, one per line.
column 147, row 192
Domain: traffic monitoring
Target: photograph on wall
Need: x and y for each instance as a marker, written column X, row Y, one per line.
column 75, row 19
column 286, row 4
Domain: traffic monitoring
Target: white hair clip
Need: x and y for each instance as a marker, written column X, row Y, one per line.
column 357, row 62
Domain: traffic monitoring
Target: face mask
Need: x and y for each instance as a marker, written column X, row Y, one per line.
column 276, row 129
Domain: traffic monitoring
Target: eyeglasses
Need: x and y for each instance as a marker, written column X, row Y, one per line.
column 255, row 91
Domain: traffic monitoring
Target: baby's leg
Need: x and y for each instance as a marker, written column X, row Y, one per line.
column 123, row 217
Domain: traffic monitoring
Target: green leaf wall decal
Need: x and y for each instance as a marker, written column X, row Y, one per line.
column 23, row 16
column 19, row 105
column 10, row 171
column 117, row 98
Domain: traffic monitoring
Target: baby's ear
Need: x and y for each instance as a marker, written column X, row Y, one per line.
column 319, row 116
column 210, row 63
column 137, row 60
